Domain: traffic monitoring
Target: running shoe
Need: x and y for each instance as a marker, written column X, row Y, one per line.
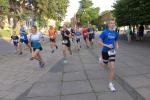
column 111, row 87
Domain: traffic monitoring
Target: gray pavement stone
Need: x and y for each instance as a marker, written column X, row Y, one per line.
column 101, row 85
column 50, row 77
column 119, row 95
column 73, row 68
column 147, row 75
column 145, row 92
column 126, row 72
column 76, row 87
column 89, row 60
column 45, row 89
column 44, row 98
column 13, row 95
column 137, row 81
column 4, row 94
column 97, row 74
column 4, row 87
column 88, row 96
column 74, row 76
column 144, row 70
column 92, row 67
column 22, row 87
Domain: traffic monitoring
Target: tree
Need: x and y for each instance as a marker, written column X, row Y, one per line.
column 51, row 9
column 86, row 13
column 37, row 9
column 132, row 12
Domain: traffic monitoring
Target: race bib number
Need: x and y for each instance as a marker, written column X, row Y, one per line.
column 65, row 41
column 111, row 52
column 15, row 40
column 21, row 37
column 78, row 37
column 51, row 36
column 91, row 32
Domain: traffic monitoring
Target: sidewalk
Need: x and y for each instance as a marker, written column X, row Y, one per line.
column 18, row 73
column 80, row 79
column 133, row 67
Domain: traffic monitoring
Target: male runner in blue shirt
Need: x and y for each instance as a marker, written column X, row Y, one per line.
column 108, row 41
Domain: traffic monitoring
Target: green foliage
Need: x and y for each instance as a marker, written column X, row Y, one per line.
column 86, row 13
column 55, row 9
column 5, row 33
column 5, row 5
column 58, row 25
column 41, row 9
column 132, row 12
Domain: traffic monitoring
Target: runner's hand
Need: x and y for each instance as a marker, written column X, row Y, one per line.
column 110, row 46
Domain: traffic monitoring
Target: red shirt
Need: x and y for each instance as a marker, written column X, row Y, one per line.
column 85, row 31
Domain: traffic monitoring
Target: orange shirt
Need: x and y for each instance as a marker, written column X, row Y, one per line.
column 52, row 33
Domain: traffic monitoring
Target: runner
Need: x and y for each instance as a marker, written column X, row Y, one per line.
column 52, row 35
column 15, row 40
column 35, row 39
column 78, row 35
column 108, row 40
column 23, row 39
column 85, row 36
column 91, row 34
column 73, row 33
column 66, row 35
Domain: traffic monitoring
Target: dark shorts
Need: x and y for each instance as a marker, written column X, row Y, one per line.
column 91, row 36
column 78, row 40
column 38, row 48
column 24, row 41
column 85, row 38
column 15, row 43
column 52, row 40
column 141, row 34
column 108, row 58
column 68, row 44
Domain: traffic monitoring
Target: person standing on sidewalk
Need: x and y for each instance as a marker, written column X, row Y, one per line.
column 66, row 44
column 129, row 34
column 141, row 32
column 52, row 35
column 36, row 38
column 108, row 40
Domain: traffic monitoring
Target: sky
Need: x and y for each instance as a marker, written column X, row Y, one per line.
column 74, row 5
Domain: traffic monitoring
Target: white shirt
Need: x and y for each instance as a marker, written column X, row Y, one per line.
column 36, row 37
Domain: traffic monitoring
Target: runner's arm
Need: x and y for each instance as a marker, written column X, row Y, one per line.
column 100, row 43
column 117, row 45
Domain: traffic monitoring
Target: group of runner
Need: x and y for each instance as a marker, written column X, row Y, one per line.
column 73, row 34
column 107, row 40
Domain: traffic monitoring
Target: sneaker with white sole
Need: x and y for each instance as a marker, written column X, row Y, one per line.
column 111, row 87
column 65, row 61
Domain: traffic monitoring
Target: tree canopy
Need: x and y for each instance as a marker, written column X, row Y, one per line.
column 86, row 13
column 40, row 9
column 132, row 12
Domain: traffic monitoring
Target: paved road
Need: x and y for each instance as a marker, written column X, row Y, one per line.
column 5, row 47
column 81, row 79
